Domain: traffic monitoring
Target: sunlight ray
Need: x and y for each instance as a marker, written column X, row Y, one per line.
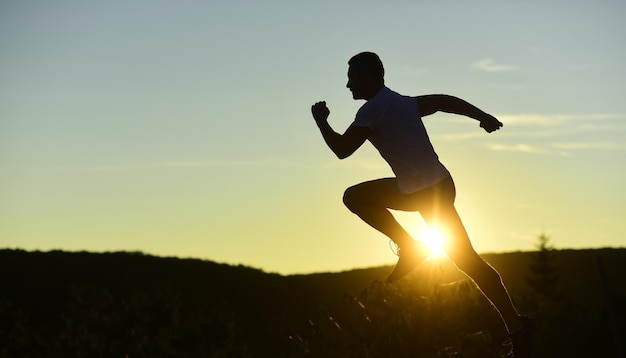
column 433, row 238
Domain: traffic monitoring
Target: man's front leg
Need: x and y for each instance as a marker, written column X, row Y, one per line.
column 367, row 201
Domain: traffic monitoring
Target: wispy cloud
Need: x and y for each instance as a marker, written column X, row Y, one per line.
column 546, row 120
column 366, row 164
column 207, row 163
column 375, row 164
column 543, row 120
column 555, row 148
column 191, row 165
column 462, row 135
column 489, row 65
column 522, row 148
column 268, row 162
column 588, row 145
column 535, row 120
column 541, row 134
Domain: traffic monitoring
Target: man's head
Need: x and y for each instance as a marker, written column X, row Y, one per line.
column 365, row 75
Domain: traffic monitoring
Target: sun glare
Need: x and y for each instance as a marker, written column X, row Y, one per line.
column 433, row 239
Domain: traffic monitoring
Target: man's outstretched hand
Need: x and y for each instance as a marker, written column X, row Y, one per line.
column 320, row 111
column 490, row 124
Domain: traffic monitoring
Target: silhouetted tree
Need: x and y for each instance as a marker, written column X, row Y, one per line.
column 544, row 276
column 552, row 315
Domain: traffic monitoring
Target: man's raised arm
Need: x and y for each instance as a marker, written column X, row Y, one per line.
column 433, row 103
column 342, row 145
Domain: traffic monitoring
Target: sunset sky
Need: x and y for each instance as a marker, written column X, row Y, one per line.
column 183, row 128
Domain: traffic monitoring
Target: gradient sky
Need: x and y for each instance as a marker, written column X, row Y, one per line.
column 183, row 128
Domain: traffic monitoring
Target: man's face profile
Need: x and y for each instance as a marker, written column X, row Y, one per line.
column 358, row 83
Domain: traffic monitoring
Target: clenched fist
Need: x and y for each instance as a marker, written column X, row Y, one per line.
column 320, row 111
column 490, row 124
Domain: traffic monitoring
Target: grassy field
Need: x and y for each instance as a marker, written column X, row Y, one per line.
column 61, row 304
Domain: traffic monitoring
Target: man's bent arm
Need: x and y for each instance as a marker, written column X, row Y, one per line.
column 342, row 145
column 433, row 103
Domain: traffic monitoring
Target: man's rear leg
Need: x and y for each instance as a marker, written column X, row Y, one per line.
column 459, row 249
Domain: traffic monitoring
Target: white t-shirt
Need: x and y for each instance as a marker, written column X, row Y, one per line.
column 397, row 131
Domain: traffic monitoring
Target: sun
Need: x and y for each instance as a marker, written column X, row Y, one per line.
column 433, row 238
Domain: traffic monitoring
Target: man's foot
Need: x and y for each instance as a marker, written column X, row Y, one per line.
column 522, row 339
column 409, row 258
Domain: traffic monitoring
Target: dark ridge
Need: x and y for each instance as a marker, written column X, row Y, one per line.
column 130, row 304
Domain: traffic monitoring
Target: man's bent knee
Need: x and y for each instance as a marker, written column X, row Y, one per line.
column 351, row 199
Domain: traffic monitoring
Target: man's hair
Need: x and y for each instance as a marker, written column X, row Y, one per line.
column 368, row 62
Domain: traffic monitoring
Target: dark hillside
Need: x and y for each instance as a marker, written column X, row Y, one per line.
column 129, row 304
column 132, row 292
column 577, row 270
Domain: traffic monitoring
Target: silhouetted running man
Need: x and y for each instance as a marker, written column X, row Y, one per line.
column 393, row 124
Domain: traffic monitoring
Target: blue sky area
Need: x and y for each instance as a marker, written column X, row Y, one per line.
column 184, row 128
